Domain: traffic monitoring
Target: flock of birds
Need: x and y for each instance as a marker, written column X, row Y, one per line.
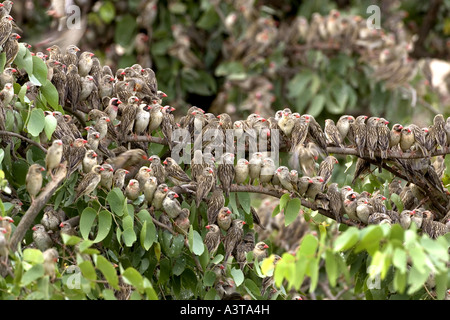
column 112, row 117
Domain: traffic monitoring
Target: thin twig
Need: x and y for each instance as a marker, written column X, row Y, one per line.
column 13, row 134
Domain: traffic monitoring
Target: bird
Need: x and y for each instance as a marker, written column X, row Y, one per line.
column 149, row 189
column 156, row 118
column 358, row 132
column 171, row 205
column 158, row 197
column 11, row 48
column 205, row 183
column 41, row 238
column 4, row 244
column 314, row 188
column 53, row 157
column 335, row 201
column 85, row 63
column 349, row 205
column 158, row 170
column 260, row 251
column 174, row 172
column 363, row 210
column 417, row 218
column 5, row 28
column 50, row 258
column 70, row 56
column 405, row 219
column 101, row 126
column 50, row 219
column 441, row 135
column 34, row 180
column 142, row 119
column 233, row 237
column 182, row 223
column 267, row 170
column 395, row 135
column 89, row 182
column 406, row 139
column 212, row 238
column 89, row 161
column 384, row 137
column 334, row 137
column 107, row 175
column 326, row 168
column 246, row 245
column 226, row 172
column 372, row 136
column 73, row 86
column 215, row 202
column 241, row 171
column 132, row 190
column 67, row 228
column 119, row 178
column 433, row 228
column 254, row 166
column 343, row 125
column 224, row 218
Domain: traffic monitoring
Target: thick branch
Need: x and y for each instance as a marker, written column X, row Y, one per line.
column 36, row 206
column 13, row 134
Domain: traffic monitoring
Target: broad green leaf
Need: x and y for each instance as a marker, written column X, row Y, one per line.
column 217, row 259
column 292, row 210
column 103, row 226
column 399, row 281
column 276, row 210
column 2, row 61
column 39, row 76
column 399, row 260
column 50, row 126
column 346, row 240
column 34, row 273
column 115, row 199
column 300, row 270
column 36, row 122
column 238, row 276
column 125, row 30
column 209, row 278
column 86, row 221
column 317, row 104
column 416, row 279
column 197, row 246
column 70, row 240
column 33, row 255
column 209, row 19
column 179, row 266
column 24, row 59
column 107, row 12
column 108, row 271
column 88, row 270
column 133, row 277
column 284, row 200
column 211, row 295
column 50, row 94
column 244, row 200
column 395, row 198
column 299, row 83
column 229, row 69
column 313, row 269
column 441, row 284
column 252, row 289
column 308, row 246
column 129, row 237
column 370, row 239
column 108, row 294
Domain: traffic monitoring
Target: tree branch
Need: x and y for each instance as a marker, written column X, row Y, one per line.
column 13, row 134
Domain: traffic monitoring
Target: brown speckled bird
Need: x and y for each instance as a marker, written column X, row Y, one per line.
column 343, row 125
column 160, row 194
column 406, row 139
column 174, row 172
column 171, row 205
column 11, row 48
column 326, row 168
column 395, row 135
column 233, row 237
column 441, row 135
column 149, row 189
column 335, row 204
column 433, row 228
column 226, row 172
column 73, row 86
column 41, row 238
column 89, row 182
column 54, row 156
column 158, row 170
column 358, row 132
column 224, row 218
column 205, row 183
column 334, row 137
column 212, row 238
column 215, row 202
column 372, row 136
column 383, row 137
column 119, row 178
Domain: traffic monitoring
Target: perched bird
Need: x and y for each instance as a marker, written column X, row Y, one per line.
column 406, row 139
column 174, row 172
column 215, row 202
column 441, row 135
column 89, row 182
column 419, row 138
column 89, row 161
column 67, row 228
column 107, row 176
column 182, row 223
column 326, row 168
column 241, row 171
column 226, row 172
column 156, row 118
column 233, row 237
column 358, row 133
column 335, row 201
column 50, row 220
column 4, row 244
column 41, row 238
column 101, row 126
column 149, row 189
column 303, row 184
column 73, row 86
column 34, row 180
column 132, row 190
column 5, row 28
column 11, row 48
column 267, row 170
column 158, row 170
column 260, row 251
column 316, row 133
column 395, row 135
column 254, row 166
column 372, row 136
column 314, row 188
column 158, row 197
column 363, row 210
column 246, row 245
column 50, row 258
column 70, row 56
column 343, row 125
column 224, row 218
column 417, row 218
column 129, row 113
column 283, row 175
column 405, row 218
column 384, row 137
column 349, row 206
column 143, row 175
column 171, row 205
column 334, row 137
column 119, row 178
column 142, row 119
column 212, row 238
column 433, row 228
column 205, row 183
column 54, row 156
column 85, row 63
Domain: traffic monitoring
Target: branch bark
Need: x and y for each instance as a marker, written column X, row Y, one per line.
column 13, row 134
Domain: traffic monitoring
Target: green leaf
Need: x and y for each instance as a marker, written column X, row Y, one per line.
column 179, row 266
column 317, row 104
column 209, row 19
column 292, row 210
column 308, row 246
column 24, row 59
column 399, row 281
column 395, row 198
column 33, row 255
column 86, row 221
column 346, row 240
column 70, row 240
column 209, row 278
column 244, row 200
column 115, row 199
column 50, row 126
column 36, row 122
column 370, row 239
column 196, row 245
column 331, row 267
column 276, row 210
column 252, row 288
column 230, row 69
column 107, row 12
column 34, row 273
column 133, row 277
column 441, row 284
column 88, row 270
column 284, row 200
column 129, row 237
column 416, row 279
column 50, row 94
column 108, row 294
column 108, row 271
column 399, row 260
column 39, row 76
column 125, row 30
column 238, row 276
column 104, row 225
column 2, row 61
column 298, row 83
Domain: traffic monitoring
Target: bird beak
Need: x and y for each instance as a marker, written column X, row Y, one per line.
column 34, row 228
column 208, row 227
column 42, row 169
column 127, row 172
column 383, row 198
column 353, row 196
column 165, row 161
column 102, row 169
column 108, row 120
column 266, row 246
column 166, row 190
column 310, row 181
column 243, row 222
column 149, row 170
column 61, row 225
column 176, row 195
column 228, row 212
column 321, row 180
column 94, row 155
